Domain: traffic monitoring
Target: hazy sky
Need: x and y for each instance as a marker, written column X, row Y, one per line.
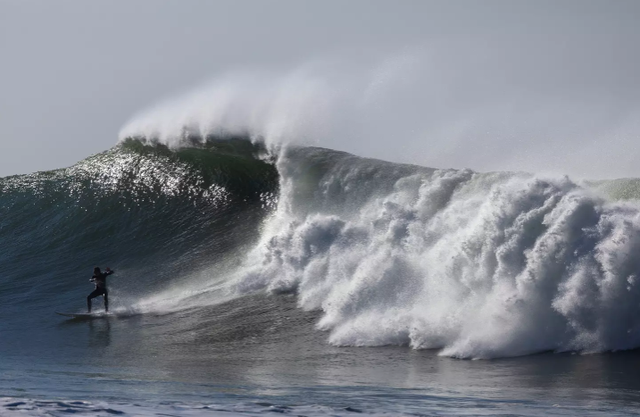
column 537, row 85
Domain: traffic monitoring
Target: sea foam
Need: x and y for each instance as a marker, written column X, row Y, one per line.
column 477, row 265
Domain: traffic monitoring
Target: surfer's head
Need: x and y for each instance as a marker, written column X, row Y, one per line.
column 96, row 270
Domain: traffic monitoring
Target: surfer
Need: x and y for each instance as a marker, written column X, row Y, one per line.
column 99, row 278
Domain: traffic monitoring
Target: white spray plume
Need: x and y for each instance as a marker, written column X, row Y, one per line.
column 448, row 107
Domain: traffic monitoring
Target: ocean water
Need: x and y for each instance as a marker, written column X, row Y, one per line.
column 306, row 281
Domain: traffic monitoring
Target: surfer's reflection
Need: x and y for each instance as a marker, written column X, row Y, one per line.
column 99, row 333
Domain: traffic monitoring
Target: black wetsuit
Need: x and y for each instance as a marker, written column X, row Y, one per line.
column 101, row 289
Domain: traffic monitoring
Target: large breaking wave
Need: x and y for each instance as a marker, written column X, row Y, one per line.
column 478, row 265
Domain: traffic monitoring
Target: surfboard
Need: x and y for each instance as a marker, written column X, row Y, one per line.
column 85, row 315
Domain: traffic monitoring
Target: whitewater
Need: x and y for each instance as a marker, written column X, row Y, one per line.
column 260, row 271
column 477, row 265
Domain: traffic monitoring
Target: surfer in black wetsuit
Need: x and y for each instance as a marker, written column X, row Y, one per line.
column 100, row 279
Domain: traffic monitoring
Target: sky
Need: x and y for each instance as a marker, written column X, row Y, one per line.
column 548, row 86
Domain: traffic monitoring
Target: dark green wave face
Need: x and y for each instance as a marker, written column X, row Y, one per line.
column 145, row 209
